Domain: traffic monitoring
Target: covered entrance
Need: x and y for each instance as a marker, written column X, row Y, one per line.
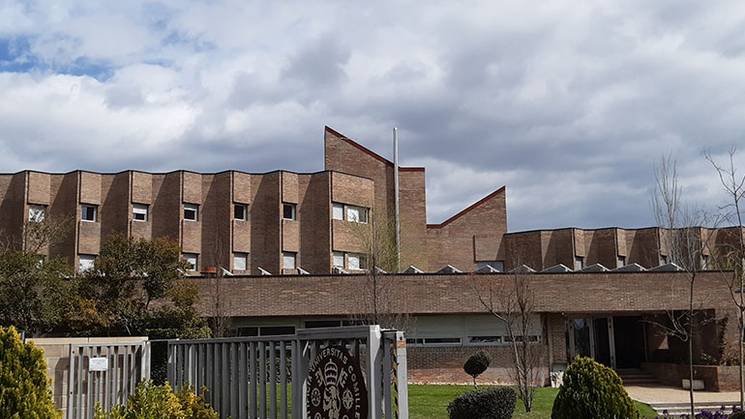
column 615, row 341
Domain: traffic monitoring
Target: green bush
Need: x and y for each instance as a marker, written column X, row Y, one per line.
column 24, row 386
column 151, row 401
column 476, row 364
column 491, row 403
column 591, row 390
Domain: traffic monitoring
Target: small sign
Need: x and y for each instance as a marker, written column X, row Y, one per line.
column 98, row 364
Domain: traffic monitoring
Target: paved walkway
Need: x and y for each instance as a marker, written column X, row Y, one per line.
column 658, row 395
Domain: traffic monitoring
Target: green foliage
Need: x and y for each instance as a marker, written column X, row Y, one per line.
column 592, row 390
column 476, row 364
column 151, row 401
column 133, row 289
column 24, row 386
column 492, row 403
column 34, row 295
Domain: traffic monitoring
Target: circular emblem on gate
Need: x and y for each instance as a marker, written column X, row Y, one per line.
column 336, row 387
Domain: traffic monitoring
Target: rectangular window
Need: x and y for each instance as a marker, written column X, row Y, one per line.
column 86, row 262
column 37, row 213
column 579, row 263
column 240, row 212
column 337, row 211
column 192, row 259
column 247, row 331
column 496, row 264
column 288, row 211
column 288, row 260
column 191, row 212
column 338, row 260
column 276, row 330
column 240, row 261
column 485, row 340
column 139, row 212
column 356, row 261
column 88, row 213
column 312, row 324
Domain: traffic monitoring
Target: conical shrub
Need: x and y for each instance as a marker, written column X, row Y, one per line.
column 24, row 385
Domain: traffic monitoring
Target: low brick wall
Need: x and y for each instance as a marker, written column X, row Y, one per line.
column 444, row 365
column 715, row 377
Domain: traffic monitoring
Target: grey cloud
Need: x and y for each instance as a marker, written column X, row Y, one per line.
column 569, row 104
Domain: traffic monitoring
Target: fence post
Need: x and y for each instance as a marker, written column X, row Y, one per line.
column 402, row 378
column 374, row 367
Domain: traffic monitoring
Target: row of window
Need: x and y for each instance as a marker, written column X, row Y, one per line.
column 140, row 212
column 350, row 213
column 350, row 261
column 468, row 340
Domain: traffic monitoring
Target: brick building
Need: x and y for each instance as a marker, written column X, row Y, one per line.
column 598, row 289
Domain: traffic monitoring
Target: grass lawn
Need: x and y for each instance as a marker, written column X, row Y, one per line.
column 431, row 401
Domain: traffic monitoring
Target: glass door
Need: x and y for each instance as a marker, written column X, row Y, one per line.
column 591, row 337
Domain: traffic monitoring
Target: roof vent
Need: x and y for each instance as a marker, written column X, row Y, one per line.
column 449, row 269
column 595, row 267
column 338, row 270
column 488, row 269
column 634, row 267
column 413, row 270
column 668, row 267
column 560, row 268
column 263, row 271
column 522, row 269
column 301, row 271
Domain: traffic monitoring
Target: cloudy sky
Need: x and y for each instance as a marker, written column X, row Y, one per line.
column 567, row 103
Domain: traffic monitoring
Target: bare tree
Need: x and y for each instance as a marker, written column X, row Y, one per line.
column 220, row 306
column 512, row 302
column 379, row 255
column 680, row 235
column 730, row 258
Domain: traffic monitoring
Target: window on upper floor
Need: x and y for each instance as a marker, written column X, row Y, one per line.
column 356, row 262
column 496, row 264
column 89, row 213
column 191, row 212
column 338, row 260
column 240, row 262
column 356, row 214
column 240, row 212
column 37, row 213
column 140, row 212
column 579, row 263
column 86, row 262
column 192, row 260
column 337, row 211
column 289, row 260
column 289, row 211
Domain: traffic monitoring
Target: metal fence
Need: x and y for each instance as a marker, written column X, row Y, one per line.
column 104, row 374
column 268, row 377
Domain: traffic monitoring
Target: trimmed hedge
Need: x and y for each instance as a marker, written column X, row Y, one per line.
column 592, row 390
column 24, row 386
column 476, row 364
column 491, row 403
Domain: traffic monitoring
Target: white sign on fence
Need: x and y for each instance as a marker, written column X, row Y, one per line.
column 98, row 364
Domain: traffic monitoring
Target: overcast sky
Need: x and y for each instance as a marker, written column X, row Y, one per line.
column 567, row 103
